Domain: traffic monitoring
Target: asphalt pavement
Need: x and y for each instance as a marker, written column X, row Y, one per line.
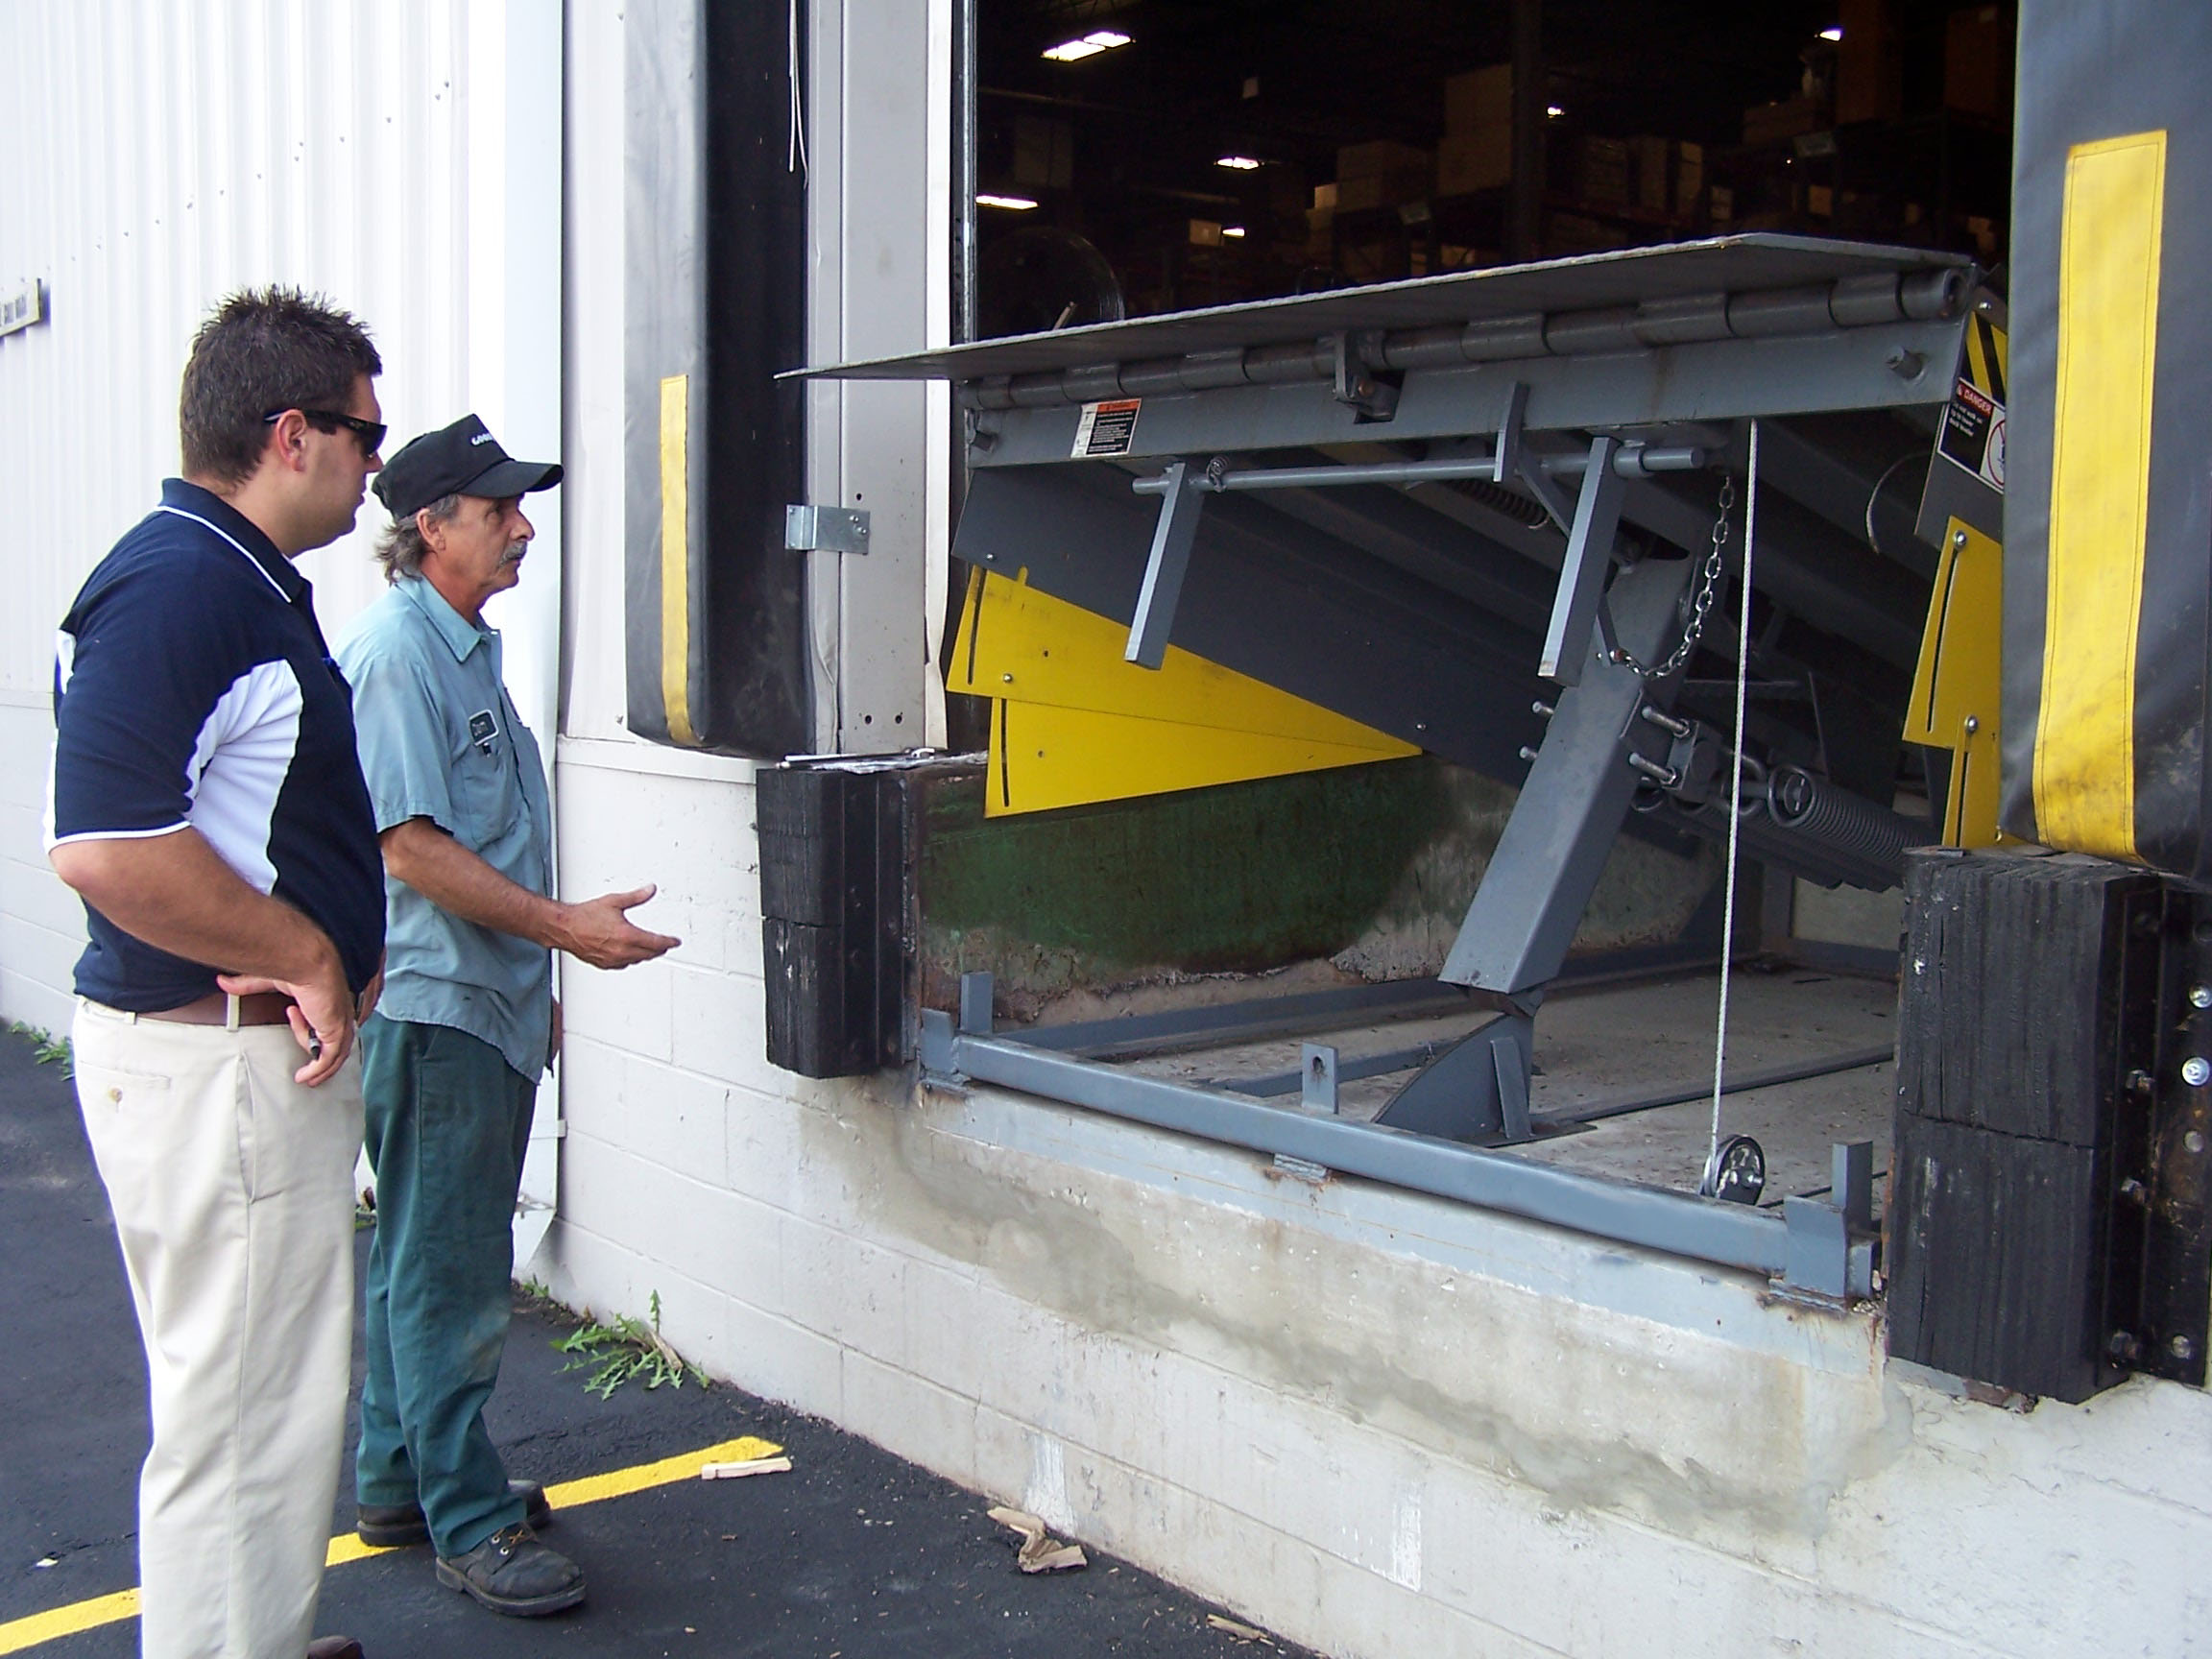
column 852, row 1554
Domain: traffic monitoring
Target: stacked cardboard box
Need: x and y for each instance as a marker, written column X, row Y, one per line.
column 1650, row 173
column 1869, row 63
column 1768, row 123
column 1471, row 161
column 1476, row 153
column 1977, row 61
column 1566, row 233
column 1376, row 260
column 1689, row 177
column 1478, row 100
column 1381, row 174
column 1601, row 171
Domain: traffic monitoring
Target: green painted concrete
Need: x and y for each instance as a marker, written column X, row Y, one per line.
column 1367, row 868
column 1243, row 876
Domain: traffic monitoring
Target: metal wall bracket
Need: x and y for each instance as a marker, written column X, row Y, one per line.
column 826, row 529
column 1513, row 463
column 1831, row 1254
column 2161, row 1272
column 1317, row 1078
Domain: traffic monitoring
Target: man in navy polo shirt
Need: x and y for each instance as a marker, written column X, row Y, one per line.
column 206, row 803
column 451, row 1059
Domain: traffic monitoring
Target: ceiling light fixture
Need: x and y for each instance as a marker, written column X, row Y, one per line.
column 1553, row 111
column 1834, row 33
column 1014, row 204
column 1239, row 164
column 1232, row 229
column 1089, row 46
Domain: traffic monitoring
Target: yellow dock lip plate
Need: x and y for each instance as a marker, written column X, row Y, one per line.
column 1043, row 758
column 1025, row 646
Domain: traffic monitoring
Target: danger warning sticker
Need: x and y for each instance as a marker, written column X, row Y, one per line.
column 1106, row 428
column 1974, row 434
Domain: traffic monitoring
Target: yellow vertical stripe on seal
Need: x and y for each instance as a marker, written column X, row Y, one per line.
column 2100, row 492
column 675, row 557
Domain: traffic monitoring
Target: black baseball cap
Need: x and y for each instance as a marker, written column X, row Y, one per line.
column 463, row 459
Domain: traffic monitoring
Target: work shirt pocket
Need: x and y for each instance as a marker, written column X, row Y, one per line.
column 487, row 794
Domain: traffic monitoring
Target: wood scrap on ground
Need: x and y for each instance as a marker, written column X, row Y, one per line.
column 1244, row 1633
column 748, row 1466
column 1039, row 1553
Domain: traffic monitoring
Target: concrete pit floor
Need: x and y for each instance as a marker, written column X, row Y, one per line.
column 1610, row 1044
column 854, row 1553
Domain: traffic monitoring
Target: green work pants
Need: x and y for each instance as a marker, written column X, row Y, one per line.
column 448, row 1121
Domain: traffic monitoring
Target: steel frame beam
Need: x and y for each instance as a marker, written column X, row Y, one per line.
column 1882, row 367
column 1629, row 460
column 1812, row 1248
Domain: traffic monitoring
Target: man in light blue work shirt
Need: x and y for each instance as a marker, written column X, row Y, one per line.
column 468, row 1022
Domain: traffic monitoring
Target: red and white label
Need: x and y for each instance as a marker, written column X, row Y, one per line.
column 1106, row 428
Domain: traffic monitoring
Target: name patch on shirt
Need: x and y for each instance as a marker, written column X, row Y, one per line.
column 482, row 729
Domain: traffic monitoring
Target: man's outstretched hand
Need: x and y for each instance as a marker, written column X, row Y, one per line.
column 600, row 933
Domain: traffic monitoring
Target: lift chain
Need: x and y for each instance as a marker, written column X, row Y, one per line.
column 1701, row 601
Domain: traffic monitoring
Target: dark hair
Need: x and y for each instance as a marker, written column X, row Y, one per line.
column 264, row 348
column 401, row 549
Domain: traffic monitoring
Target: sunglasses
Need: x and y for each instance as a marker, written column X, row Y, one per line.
column 370, row 433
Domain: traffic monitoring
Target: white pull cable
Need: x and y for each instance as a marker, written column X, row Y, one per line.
column 1735, row 796
column 795, row 148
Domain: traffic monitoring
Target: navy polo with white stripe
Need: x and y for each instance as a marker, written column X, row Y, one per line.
column 192, row 688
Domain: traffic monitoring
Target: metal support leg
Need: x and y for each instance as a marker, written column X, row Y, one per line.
column 1525, row 913
column 1589, row 558
column 976, row 996
column 1475, row 1091
column 1170, row 556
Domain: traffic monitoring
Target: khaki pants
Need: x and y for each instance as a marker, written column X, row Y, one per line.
column 232, row 1188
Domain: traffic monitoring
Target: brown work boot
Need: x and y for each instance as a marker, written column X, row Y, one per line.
column 333, row 1647
column 511, row 1572
column 395, row 1526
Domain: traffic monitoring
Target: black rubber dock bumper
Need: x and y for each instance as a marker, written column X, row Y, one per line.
column 2047, row 1230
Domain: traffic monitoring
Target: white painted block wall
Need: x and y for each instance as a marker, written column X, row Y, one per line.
column 1378, row 1422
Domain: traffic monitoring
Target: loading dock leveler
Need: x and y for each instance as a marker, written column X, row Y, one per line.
column 1320, row 493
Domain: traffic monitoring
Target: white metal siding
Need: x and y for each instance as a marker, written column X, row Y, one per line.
column 160, row 155
column 402, row 157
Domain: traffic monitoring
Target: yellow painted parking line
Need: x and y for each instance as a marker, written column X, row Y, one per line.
column 56, row 1622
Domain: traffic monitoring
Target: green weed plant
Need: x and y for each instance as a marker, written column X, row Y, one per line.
column 628, row 1348
column 46, row 1048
